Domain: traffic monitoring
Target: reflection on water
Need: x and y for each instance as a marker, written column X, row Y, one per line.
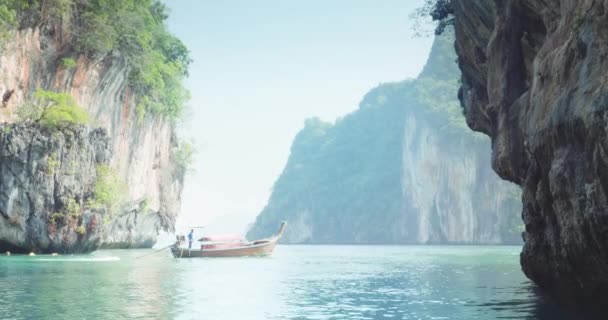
column 298, row 282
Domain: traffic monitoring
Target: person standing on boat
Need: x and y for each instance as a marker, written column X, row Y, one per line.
column 190, row 238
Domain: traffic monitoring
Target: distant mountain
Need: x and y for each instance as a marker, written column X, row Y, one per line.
column 403, row 168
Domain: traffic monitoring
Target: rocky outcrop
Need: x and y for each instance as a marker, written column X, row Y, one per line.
column 452, row 194
column 47, row 178
column 403, row 168
column 140, row 147
column 534, row 80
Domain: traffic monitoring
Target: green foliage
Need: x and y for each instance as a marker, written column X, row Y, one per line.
column 110, row 191
column 56, row 216
column 81, row 230
column 53, row 10
column 68, row 63
column 184, row 156
column 29, row 112
column 60, row 109
column 140, row 112
column 96, row 34
column 52, row 110
column 8, row 19
column 63, row 115
column 72, row 208
column 440, row 11
column 433, row 94
column 52, row 164
column 47, row 11
column 136, row 28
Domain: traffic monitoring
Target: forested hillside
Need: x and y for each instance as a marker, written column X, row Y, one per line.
column 403, row 168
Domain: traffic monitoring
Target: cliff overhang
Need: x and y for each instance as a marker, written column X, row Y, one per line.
column 534, row 80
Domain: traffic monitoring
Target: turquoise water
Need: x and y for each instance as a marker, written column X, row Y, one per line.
column 298, row 282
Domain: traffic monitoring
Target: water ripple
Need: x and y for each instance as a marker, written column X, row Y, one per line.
column 299, row 282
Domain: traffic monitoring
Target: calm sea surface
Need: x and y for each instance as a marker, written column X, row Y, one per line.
column 298, row 282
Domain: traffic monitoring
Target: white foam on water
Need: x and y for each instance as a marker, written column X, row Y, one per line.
column 79, row 259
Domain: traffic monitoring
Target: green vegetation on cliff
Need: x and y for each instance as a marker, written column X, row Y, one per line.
column 403, row 168
column 135, row 29
column 440, row 11
column 110, row 189
column 53, row 110
column 184, row 155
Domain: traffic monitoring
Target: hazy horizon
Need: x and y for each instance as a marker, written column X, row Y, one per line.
column 260, row 70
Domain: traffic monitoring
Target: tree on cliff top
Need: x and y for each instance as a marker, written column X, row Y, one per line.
column 135, row 29
column 159, row 61
column 440, row 11
column 53, row 110
column 8, row 19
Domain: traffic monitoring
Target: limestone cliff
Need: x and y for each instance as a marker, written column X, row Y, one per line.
column 403, row 168
column 138, row 148
column 45, row 176
column 534, row 80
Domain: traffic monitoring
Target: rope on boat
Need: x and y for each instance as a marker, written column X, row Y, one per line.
column 155, row 252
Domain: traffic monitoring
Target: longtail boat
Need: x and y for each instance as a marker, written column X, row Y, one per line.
column 216, row 247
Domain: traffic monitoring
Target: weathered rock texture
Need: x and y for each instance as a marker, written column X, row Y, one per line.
column 140, row 149
column 534, row 78
column 44, row 173
column 403, row 168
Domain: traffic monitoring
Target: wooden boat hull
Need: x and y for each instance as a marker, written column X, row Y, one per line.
column 244, row 251
column 259, row 248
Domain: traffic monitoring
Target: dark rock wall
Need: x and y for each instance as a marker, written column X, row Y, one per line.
column 534, row 78
column 46, row 179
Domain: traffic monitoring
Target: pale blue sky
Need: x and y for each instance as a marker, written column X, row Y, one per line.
column 261, row 68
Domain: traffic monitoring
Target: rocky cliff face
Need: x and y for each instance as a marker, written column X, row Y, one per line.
column 452, row 194
column 534, row 80
column 46, row 179
column 403, row 168
column 138, row 148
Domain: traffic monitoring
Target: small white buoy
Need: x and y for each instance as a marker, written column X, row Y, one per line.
column 8, row 253
column 31, row 254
